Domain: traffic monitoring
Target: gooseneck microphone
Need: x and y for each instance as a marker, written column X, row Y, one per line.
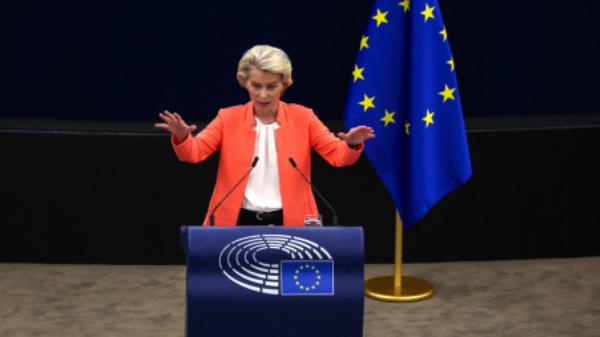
column 212, row 214
column 331, row 210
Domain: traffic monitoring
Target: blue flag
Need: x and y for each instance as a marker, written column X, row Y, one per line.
column 404, row 86
column 307, row 277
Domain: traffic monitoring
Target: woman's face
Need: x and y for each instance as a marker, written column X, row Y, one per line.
column 265, row 90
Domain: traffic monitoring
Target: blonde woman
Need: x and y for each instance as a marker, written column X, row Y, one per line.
column 272, row 130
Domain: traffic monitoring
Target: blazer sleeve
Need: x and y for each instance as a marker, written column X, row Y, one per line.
column 334, row 150
column 197, row 148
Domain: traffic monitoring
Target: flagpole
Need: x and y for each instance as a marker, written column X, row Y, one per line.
column 398, row 288
column 398, row 252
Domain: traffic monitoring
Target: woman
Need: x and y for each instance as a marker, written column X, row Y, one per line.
column 273, row 131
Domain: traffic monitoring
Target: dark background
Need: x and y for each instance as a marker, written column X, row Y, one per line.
column 86, row 179
column 128, row 60
column 114, row 198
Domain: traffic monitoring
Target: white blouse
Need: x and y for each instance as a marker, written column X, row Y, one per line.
column 262, row 192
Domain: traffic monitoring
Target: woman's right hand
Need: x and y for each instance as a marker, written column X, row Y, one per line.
column 175, row 125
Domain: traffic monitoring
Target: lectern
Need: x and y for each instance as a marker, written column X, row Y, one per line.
column 274, row 281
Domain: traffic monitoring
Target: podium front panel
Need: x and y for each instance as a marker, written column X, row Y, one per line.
column 274, row 281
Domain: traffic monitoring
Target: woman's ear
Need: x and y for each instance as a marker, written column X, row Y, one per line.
column 241, row 80
column 287, row 86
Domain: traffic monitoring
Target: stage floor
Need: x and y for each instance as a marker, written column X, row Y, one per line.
column 553, row 297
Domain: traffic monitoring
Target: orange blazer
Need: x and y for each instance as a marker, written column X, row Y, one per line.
column 232, row 132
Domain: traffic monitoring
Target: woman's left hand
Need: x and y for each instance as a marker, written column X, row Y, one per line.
column 357, row 135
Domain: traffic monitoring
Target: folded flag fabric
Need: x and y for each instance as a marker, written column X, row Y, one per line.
column 404, row 86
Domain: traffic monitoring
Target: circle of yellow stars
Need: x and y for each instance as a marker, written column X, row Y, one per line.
column 367, row 103
column 312, row 269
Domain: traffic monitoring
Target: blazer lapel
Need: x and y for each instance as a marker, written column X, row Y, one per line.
column 247, row 137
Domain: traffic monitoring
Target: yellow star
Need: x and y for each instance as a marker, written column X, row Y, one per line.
column 447, row 93
column 380, row 17
column 444, row 33
column 428, row 12
column 388, row 118
column 428, row 119
column 357, row 73
column 367, row 102
column 451, row 63
column 405, row 4
column 364, row 42
column 407, row 128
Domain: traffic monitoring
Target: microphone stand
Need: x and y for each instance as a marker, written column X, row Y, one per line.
column 334, row 219
column 212, row 214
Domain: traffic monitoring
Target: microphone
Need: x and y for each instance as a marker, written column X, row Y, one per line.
column 212, row 214
column 331, row 210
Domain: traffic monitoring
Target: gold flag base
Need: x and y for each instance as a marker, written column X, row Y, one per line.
column 398, row 288
column 412, row 289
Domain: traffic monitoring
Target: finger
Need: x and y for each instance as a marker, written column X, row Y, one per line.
column 365, row 129
column 162, row 126
column 369, row 136
column 176, row 116
column 179, row 118
column 193, row 127
column 164, row 117
column 170, row 115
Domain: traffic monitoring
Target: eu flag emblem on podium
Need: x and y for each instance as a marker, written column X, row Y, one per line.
column 307, row 277
column 404, row 86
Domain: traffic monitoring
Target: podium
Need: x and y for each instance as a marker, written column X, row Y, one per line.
column 274, row 281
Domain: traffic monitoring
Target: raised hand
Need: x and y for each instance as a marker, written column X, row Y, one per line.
column 357, row 135
column 175, row 125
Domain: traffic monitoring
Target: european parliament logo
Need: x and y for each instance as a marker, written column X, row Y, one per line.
column 275, row 264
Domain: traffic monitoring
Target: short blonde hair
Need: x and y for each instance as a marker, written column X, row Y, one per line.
column 266, row 58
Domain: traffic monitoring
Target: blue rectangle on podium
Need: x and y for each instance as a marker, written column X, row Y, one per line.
column 274, row 281
column 306, row 277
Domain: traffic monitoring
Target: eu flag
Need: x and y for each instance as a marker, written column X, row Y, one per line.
column 307, row 277
column 404, row 86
